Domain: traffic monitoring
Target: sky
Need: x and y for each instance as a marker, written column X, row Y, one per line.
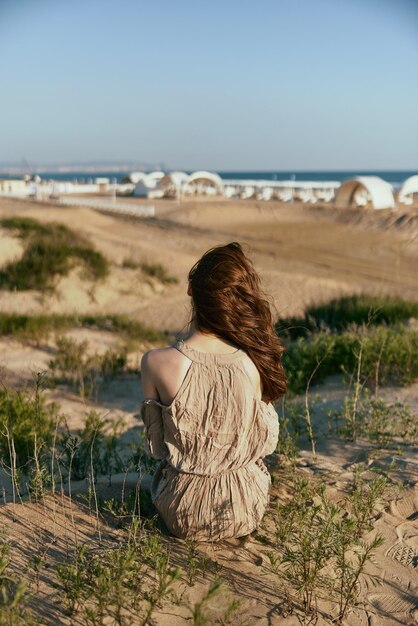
column 222, row 85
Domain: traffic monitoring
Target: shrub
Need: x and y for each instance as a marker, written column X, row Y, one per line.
column 25, row 226
column 156, row 270
column 388, row 354
column 95, row 263
column 72, row 363
column 380, row 422
column 294, row 427
column 340, row 313
column 130, row 264
column 128, row 327
column 51, row 251
column 318, row 550
column 126, row 584
column 33, row 327
column 38, row 327
column 25, row 423
column 131, row 579
column 94, row 449
column 13, row 596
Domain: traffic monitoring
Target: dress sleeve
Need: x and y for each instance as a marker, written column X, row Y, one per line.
column 272, row 420
column 151, row 414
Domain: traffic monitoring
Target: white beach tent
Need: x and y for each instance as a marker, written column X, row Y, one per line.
column 408, row 190
column 141, row 187
column 134, row 177
column 144, row 183
column 205, row 182
column 153, row 179
column 364, row 191
column 172, row 183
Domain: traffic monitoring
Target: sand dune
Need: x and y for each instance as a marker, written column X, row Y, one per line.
column 303, row 254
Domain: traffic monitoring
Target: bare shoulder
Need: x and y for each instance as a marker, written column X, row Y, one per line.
column 160, row 358
column 162, row 371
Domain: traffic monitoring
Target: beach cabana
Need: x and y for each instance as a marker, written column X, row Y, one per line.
column 134, row 177
column 368, row 191
column 408, row 193
column 206, row 183
column 153, row 179
column 144, row 183
column 141, row 189
column 172, row 183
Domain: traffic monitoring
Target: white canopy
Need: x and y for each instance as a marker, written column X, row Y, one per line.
column 362, row 190
column 175, row 178
column 409, row 188
column 205, row 178
column 135, row 177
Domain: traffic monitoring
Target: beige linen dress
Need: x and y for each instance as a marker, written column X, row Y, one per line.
column 211, row 482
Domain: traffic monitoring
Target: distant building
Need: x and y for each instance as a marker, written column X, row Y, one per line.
column 14, row 187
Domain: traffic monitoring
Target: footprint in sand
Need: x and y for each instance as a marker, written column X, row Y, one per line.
column 405, row 551
column 406, row 508
column 405, row 554
column 390, row 604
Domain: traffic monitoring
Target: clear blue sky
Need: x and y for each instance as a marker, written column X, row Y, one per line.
column 231, row 84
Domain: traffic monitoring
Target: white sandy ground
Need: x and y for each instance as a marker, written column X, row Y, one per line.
column 304, row 255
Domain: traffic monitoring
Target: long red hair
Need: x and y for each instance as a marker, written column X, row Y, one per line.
column 228, row 302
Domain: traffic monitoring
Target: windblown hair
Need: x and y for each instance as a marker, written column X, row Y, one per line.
column 228, row 302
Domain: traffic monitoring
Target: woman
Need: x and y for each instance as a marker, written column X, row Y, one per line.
column 208, row 410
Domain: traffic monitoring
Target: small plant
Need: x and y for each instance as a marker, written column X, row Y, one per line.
column 381, row 422
column 287, row 444
column 196, row 562
column 123, row 584
column 111, row 460
column 111, row 364
column 315, row 541
column 349, row 570
column 304, row 540
column 26, row 425
column 39, row 480
column 95, row 448
column 130, row 263
column 74, row 364
column 202, row 617
column 363, row 500
column 140, row 457
column 156, row 270
column 294, row 426
column 37, row 563
column 88, row 442
column 72, row 576
column 13, row 594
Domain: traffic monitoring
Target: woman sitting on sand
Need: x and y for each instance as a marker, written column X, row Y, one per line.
column 208, row 412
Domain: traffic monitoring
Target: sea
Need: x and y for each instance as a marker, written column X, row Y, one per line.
column 394, row 177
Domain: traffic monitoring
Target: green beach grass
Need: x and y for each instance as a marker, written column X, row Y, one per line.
column 340, row 313
column 38, row 327
column 51, row 250
column 329, row 339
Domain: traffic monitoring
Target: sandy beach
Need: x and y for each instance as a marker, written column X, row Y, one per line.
column 305, row 255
